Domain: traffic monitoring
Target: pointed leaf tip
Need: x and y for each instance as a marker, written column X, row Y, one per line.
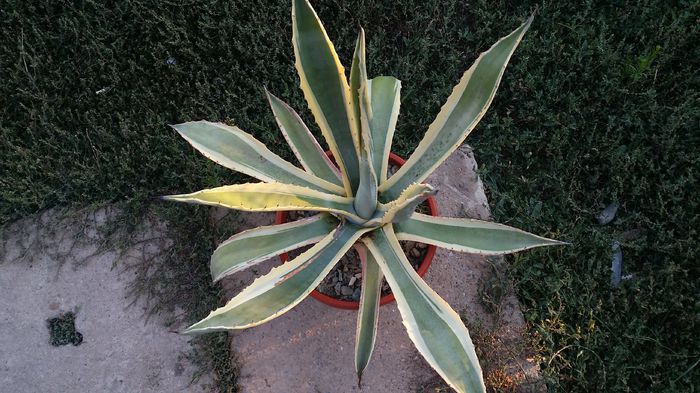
column 175, row 197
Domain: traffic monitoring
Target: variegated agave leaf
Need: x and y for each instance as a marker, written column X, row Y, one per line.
column 464, row 108
column 357, row 117
column 326, row 90
column 368, row 313
column 469, row 235
column 256, row 245
column 237, row 150
column 435, row 329
column 303, row 144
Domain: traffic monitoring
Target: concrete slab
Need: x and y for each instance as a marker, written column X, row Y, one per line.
column 54, row 263
column 310, row 348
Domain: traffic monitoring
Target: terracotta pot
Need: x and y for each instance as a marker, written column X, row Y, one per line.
column 353, row 305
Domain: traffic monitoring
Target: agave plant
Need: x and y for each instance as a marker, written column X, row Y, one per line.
column 357, row 203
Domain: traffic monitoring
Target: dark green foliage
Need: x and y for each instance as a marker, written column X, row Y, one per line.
column 62, row 330
column 600, row 104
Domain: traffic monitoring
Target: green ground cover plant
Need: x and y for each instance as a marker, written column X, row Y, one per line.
column 600, row 105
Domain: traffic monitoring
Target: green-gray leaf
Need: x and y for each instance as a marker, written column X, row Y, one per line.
column 385, row 92
column 326, row 89
column 368, row 314
column 468, row 235
column 301, row 140
column 256, row 245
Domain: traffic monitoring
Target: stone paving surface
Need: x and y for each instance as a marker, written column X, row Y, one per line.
column 54, row 263
column 310, row 349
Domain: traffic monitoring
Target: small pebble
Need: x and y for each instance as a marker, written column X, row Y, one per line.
column 392, row 169
column 346, row 290
column 608, row 214
column 352, row 281
column 358, row 276
column 616, row 265
column 415, row 252
column 356, row 294
column 421, row 245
